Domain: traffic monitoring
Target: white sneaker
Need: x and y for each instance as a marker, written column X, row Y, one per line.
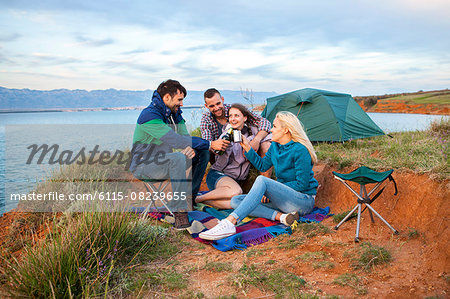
column 289, row 219
column 222, row 230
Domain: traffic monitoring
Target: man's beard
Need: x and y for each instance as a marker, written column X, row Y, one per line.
column 223, row 113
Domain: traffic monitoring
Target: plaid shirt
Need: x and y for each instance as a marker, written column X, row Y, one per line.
column 210, row 130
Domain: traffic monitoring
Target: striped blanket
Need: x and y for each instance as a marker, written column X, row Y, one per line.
column 249, row 232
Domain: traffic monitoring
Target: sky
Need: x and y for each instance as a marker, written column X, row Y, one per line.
column 359, row 47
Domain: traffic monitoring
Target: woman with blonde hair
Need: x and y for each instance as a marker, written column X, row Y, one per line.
column 293, row 194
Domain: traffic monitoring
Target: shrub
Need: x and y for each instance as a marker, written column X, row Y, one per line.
column 441, row 127
column 86, row 257
column 370, row 101
column 368, row 255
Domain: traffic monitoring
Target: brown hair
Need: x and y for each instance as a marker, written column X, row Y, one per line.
column 251, row 120
column 210, row 93
column 171, row 87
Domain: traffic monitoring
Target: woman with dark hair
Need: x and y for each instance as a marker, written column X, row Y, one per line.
column 232, row 167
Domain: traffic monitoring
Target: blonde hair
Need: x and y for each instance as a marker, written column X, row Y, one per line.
column 295, row 127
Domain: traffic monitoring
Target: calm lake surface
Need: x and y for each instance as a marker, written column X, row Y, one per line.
column 110, row 130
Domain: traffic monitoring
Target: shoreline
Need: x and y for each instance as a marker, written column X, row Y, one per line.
column 387, row 107
column 445, row 112
column 32, row 110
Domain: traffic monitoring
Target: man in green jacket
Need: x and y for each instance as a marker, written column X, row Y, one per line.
column 160, row 130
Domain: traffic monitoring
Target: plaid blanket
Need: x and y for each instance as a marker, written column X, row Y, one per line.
column 250, row 232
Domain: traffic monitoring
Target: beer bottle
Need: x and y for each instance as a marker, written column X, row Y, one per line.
column 228, row 136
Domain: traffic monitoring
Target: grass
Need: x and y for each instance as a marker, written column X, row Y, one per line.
column 318, row 259
column 290, row 243
column 310, row 230
column 323, row 264
column 351, row 280
column 218, row 266
column 90, row 247
column 314, row 255
column 367, row 256
column 420, row 151
column 86, row 255
column 283, row 283
column 329, row 242
column 439, row 97
column 167, row 279
column 413, row 233
column 339, row 217
column 253, row 252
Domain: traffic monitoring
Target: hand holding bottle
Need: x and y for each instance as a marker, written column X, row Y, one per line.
column 228, row 136
column 219, row 144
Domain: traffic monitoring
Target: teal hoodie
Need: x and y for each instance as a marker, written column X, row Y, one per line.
column 292, row 164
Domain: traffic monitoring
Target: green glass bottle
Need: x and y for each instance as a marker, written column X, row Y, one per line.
column 228, row 136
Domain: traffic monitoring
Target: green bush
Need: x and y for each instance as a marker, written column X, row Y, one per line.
column 85, row 255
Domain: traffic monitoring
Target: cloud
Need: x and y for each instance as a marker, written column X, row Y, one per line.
column 9, row 37
column 129, row 65
column 36, row 74
column 135, row 51
column 44, row 58
column 7, row 61
column 84, row 41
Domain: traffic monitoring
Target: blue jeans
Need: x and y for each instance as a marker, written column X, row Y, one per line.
column 175, row 169
column 282, row 198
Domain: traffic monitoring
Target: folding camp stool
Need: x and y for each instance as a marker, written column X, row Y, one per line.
column 155, row 187
column 363, row 176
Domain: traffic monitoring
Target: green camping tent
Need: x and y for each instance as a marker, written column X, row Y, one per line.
column 326, row 115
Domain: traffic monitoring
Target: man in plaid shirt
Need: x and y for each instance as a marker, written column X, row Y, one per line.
column 217, row 116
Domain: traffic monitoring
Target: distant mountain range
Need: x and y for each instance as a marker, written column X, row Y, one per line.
column 24, row 99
